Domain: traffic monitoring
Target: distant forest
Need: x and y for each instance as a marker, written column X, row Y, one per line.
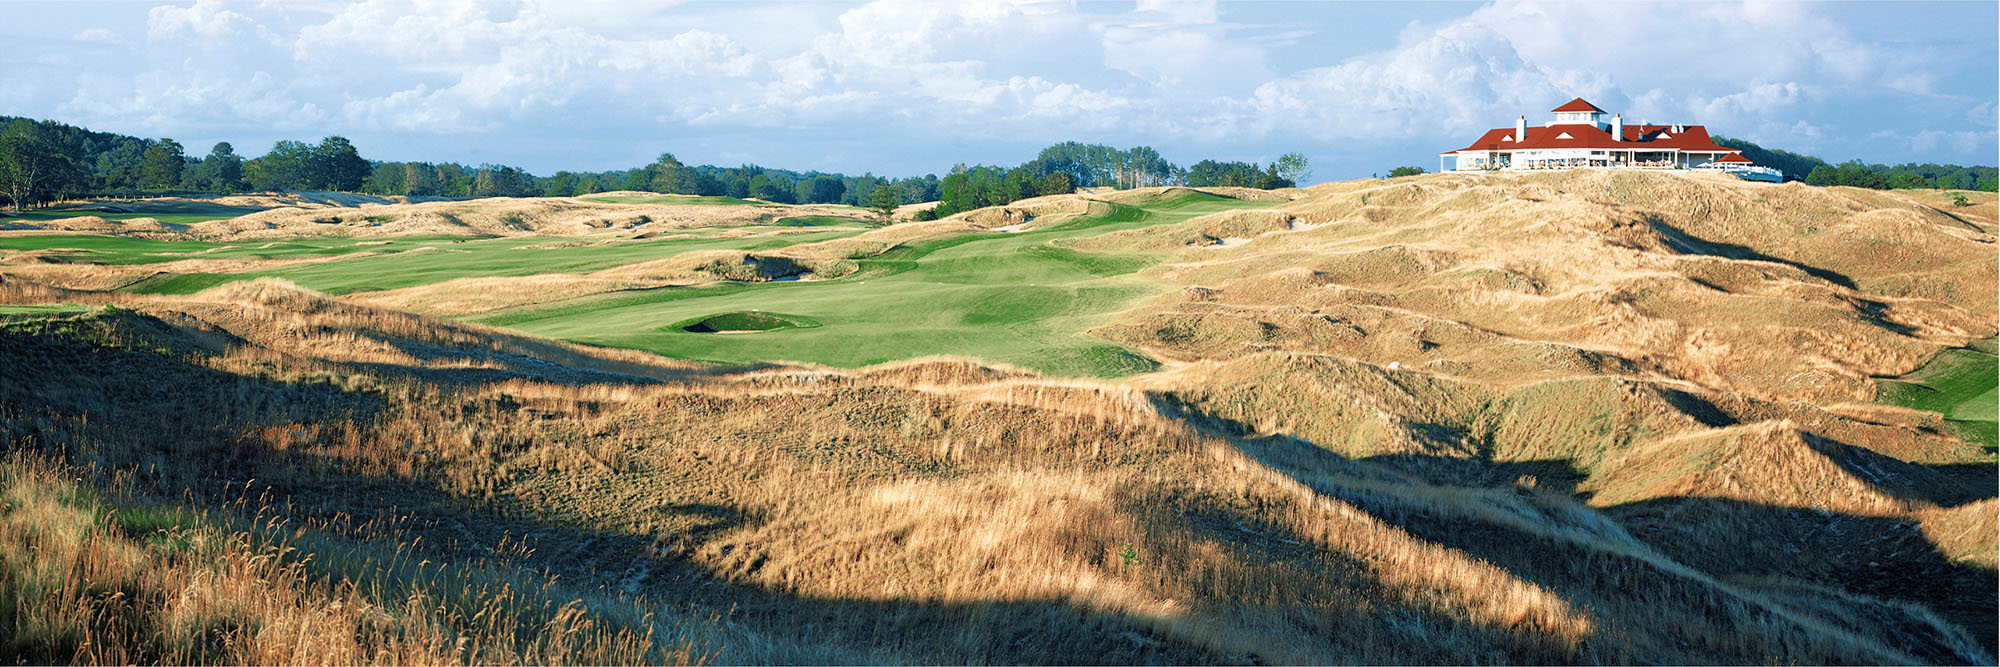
column 1815, row 171
column 44, row 161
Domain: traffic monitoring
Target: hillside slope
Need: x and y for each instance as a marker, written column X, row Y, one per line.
column 1559, row 418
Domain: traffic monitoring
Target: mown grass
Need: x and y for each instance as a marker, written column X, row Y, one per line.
column 42, row 309
column 1017, row 298
column 389, row 263
column 175, row 212
column 1963, row 384
column 507, row 257
column 126, row 250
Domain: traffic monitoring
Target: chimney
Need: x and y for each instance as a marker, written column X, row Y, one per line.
column 1521, row 129
column 1618, row 126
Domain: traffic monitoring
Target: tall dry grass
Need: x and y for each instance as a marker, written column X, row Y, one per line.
column 90, row 575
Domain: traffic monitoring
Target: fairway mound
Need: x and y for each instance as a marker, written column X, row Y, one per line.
column 1782, row 291
column 509, row 216
column 743, row 322
column 1269, row 507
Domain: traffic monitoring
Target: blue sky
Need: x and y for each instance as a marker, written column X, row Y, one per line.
column 904, row 87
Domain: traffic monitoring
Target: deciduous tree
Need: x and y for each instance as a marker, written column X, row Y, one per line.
column 161, row 168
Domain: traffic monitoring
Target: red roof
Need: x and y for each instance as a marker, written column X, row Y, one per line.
column 1733, row 158
column 1691, row 138
column 1577, row 105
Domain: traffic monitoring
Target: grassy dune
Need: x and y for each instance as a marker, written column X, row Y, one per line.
column 668, row 199
column 1554, row 418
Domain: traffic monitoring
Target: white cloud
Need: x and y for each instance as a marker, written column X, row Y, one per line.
column 97, row 35
column 1166, row 72
column 1462, row 78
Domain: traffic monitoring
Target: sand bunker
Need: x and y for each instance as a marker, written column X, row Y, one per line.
column 743, row 322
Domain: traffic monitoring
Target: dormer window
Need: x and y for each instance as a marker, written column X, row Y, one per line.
column 1564, row 135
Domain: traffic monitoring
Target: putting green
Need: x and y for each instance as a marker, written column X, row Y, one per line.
column 1019, row 298
column 1963, row 384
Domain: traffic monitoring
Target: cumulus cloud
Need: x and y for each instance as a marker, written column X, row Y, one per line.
column 1462, row 77
column 1162, row 72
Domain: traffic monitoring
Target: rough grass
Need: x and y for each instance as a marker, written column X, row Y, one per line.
column 91, row 574
column 928, row 512
column 691, row 200
column 1554, row 418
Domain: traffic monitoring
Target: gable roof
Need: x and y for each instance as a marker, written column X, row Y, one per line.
column 1733, row 158
column 1691, row 138
column 1576, row 105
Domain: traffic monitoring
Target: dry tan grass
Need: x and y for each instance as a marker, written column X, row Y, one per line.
column 1777, row 291
column 500, row 216
column 1601, row 446
column 1084, row 514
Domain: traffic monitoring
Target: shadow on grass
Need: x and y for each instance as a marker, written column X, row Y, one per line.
column 1793, row 556
column 183, row 424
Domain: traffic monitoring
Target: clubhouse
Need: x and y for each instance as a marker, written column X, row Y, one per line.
column 1582, row 137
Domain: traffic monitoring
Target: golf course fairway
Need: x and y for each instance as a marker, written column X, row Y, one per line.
column 1017, row 298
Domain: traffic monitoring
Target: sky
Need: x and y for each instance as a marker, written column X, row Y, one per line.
column 908, row 87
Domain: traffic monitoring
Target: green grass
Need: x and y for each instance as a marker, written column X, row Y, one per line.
column 125, row 250
column 386, row 263
column 1009, row 298
column 175, row 213
column 509, row 257
column 1963, row 384
column 1021, row 298
column 42, row 309
column 669, row 199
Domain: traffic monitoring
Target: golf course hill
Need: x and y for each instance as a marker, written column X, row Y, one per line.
column 1597, row 416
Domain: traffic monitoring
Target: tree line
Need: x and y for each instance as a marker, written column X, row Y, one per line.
column 1815, row 171
column 1064, row 167
column 44, row 161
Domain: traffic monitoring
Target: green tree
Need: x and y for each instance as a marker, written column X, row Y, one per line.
column 824, row 190
column 1056, row 183
column 386, row 179
column 161, row 168
column 1295, row 167
column 336, row 165
column 222, row 170
column 883, row 201
column 286, row 167
column 36, row 162
column 1400, row 172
